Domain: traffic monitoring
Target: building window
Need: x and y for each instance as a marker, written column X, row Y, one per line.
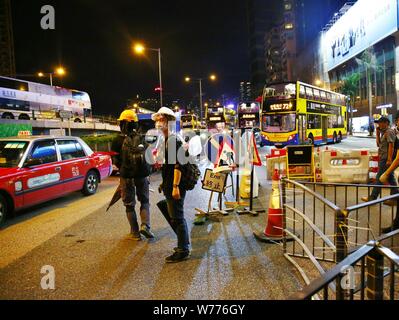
column 287, row 6
column 289, row 26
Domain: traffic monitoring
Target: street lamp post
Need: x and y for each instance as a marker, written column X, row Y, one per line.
column 188, row 79
column 139, row 49
column 60, row 72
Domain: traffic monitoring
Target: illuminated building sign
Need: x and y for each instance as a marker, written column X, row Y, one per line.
column 363, row 25
column 215, row 119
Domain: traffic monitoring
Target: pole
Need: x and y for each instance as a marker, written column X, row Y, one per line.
column 160, row 77
column 200, row 96
column 69, row 127
column 51, row 79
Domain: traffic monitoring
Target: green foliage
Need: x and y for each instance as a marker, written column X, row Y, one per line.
column 102, row 139
column 11, row 130
column 351, row 85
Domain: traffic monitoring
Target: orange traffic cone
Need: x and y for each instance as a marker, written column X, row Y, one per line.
column 274, row 230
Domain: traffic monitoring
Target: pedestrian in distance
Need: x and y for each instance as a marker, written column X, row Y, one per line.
column 385, row 142
column 385, row 177
column 134, row 171
column 172, row 207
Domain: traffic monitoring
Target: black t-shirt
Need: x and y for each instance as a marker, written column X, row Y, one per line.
column 168, row 169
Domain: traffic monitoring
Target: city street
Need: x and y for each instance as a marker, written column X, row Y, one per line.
column 94, row 259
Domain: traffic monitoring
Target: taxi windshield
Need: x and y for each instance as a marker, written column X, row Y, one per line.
column 11, row 153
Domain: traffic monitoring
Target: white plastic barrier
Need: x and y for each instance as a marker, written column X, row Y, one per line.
column 345, row 166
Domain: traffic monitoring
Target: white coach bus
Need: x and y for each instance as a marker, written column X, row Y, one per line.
column 25, row 100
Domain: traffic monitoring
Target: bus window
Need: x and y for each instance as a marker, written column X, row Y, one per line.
column 323, row 96
column 316, row 94
column 309, row 93
column 302, row 92
column 314, row 121
column 279, row 123
column 328, row 95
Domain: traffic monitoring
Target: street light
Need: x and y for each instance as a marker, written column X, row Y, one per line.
column 60, row 71
column 212, row 77
column 140, row 49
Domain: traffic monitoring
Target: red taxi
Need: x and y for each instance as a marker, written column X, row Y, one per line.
column 38, row 169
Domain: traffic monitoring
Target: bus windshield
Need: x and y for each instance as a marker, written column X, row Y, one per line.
column 279, row 123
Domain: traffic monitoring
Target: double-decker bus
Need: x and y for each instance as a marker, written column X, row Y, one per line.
column 249, row 115
column 298, row 113
column 216, row 118
column 25, row 100
column 189, row 121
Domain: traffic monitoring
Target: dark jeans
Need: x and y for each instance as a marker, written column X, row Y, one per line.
column 129, row 189
column 382, row 167
column 173, row 211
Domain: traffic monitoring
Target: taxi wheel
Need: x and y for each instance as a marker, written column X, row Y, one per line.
column 91, row 184
column 3, row 209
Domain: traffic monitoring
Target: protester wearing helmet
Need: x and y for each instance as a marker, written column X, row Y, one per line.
column 173, row 206
column 130, row 147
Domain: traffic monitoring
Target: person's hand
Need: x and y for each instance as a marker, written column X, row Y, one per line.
column 160, row 188
column 384, row 178
column 176, row 193
column 388, row 163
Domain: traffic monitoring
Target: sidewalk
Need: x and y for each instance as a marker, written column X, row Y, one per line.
column 362, row 135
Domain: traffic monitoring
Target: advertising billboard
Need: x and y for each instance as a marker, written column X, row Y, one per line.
column 363, row 25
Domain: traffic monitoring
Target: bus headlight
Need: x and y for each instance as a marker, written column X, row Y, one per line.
column 292, row 137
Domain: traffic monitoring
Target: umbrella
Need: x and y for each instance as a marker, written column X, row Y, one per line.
column 115, row 198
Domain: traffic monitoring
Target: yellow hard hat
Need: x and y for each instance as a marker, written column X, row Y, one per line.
column 129, row 116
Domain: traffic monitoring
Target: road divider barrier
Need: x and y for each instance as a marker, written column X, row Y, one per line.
column 373, row 167
column 345, row 166
column 331, row 165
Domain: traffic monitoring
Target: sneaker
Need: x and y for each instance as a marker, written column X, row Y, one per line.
column 178, row 256
column 135, row 236
column 146, row 232
column 367, row 199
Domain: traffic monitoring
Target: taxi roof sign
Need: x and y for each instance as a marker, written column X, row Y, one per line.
column 24, row 134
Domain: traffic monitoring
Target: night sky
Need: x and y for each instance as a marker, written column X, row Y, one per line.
column 93, row 41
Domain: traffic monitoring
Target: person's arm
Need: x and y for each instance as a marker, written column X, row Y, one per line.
column 392, row 168
column 390, row 154
column 116, row 147
column 176, row 183
column 378, row 137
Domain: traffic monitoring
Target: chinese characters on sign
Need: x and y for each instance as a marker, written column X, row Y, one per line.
column 215, row 182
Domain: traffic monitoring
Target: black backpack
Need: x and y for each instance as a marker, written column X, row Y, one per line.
column 133, row 157
column 190, row 174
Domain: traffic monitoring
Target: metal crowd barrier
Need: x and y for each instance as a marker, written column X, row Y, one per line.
column 328, row 221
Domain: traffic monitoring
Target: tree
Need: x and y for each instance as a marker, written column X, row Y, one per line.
column 368, row 60
column 349, row 88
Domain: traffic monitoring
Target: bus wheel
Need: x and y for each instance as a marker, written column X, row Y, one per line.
column 311, row 139
column 23, row 117
column 77, row 120
column 7, row 115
